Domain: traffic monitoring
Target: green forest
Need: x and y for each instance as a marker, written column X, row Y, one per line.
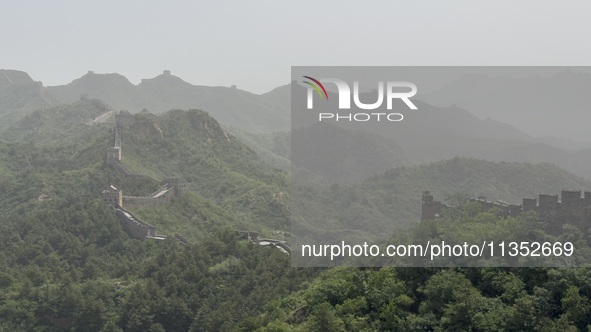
column 68, row 265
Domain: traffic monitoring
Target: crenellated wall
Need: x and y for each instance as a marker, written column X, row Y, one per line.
column 573, row 208
column 163, row 195
column 135, row 226
column 141, row 202
column 114, row 197
column 505, row 208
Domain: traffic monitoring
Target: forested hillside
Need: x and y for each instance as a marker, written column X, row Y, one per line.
column 420, row 299
column 230, row 106
column 385, row 203
column 61, row 123
column 68, row 265
column 19, row 96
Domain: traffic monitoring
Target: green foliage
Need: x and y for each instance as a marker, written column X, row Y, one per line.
column 324, row 318
column 67, row 265
column 447, row 299
column 192, row 145
column 390, row 202
column 274, row 148
column 63, row 123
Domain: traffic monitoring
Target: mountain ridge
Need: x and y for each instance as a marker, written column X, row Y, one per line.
column 230, row 105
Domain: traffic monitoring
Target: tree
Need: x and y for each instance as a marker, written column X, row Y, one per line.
column 577, row 308
column 324, row 318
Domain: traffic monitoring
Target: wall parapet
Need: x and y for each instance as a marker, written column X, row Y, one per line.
column 574, row 207
column 135, row 226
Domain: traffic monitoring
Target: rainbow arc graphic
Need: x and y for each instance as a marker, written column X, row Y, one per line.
column 316, row 85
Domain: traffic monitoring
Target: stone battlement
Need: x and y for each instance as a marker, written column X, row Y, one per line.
column 114, row 197
column 254, row 237
column 574, row 207
column 136, row 227
column 132, row 224
column 163, row 195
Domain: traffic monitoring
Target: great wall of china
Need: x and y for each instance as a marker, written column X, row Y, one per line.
column 134, row 225
column 573, row 206
column 170, row 188
column 115, row 198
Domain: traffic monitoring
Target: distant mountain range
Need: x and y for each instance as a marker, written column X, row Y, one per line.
column 231, row 106
column 555, row 105
column 390, row 200
column 30, row 112
column 20, row 95
column 65, row 122
column 434, row 133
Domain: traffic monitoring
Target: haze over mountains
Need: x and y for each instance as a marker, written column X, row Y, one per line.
column 387, row 202
column 233, row 107
column 20, row 95
column 431, row 134
column 543, row 106
column 61, row 247
column 68, row 264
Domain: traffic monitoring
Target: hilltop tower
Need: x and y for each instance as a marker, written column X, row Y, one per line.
column 431, row 209
column 113, row 197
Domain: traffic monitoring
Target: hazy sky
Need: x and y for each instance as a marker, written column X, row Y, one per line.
column 254, row 43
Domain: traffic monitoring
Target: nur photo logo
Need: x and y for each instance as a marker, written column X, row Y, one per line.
column 389, row 90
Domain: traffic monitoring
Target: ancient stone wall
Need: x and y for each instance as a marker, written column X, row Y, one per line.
column 573, row 208
column 135, row 226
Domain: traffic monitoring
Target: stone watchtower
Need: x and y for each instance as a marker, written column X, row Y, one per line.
column 431, row 209
column 113, row 196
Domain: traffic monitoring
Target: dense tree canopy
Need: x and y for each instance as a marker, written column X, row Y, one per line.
column 66, row 263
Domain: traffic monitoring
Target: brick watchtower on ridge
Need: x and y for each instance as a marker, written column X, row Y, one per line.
column 113, row 196
column 431, row 209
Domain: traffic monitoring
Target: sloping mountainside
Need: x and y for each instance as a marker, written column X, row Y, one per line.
column 273, row 148
column 20, row 95
column 332, row 154
column 230, row 106
column 280, row 96
column 113, row 89
column 60, row 123
column 427, row 135
column 329, row 154
column 384, row 203
column 192, row 145
column 434, row 133
column 222, row 174
column 554, row 105
column 67, row 264
column 409, row 299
